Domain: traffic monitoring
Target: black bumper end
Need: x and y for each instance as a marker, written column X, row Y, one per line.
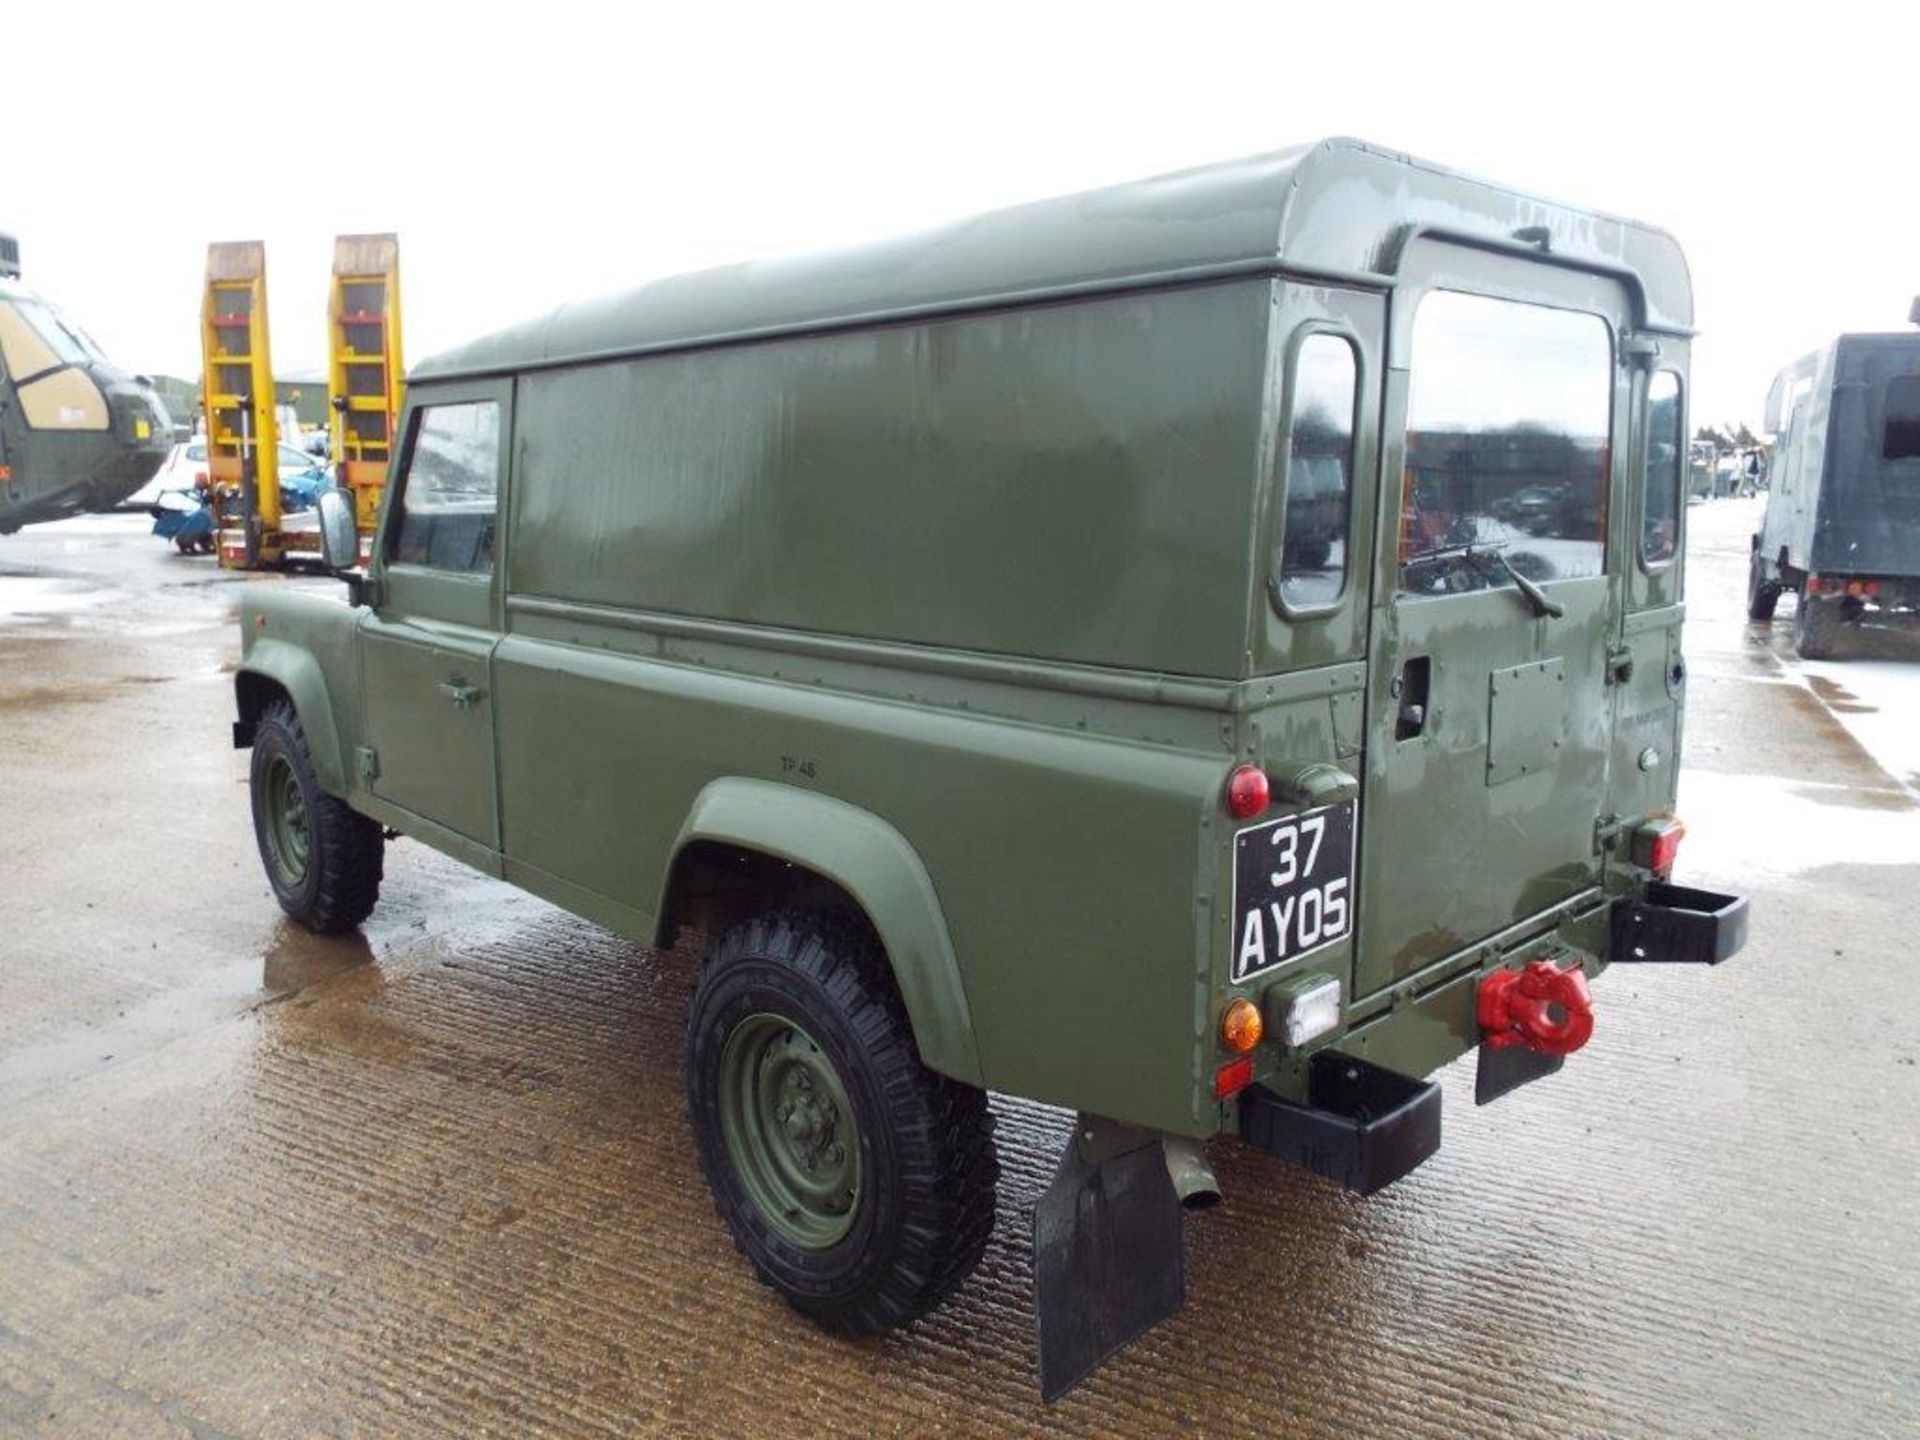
column 1362, row 1125
column 1673, row 924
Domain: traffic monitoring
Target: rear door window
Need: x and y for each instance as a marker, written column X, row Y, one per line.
column 1664, row 471
column 449, row 489
column 1507, row 444
column 1312, row 560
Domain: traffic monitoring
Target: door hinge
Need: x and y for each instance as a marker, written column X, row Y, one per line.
column 369, row 763
column 1641, row 350
column 1619, row 665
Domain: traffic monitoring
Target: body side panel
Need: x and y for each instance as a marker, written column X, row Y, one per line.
column 1051, row 483
column 1064, row 863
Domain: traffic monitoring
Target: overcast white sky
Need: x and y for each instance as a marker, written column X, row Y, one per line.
column 537, row 152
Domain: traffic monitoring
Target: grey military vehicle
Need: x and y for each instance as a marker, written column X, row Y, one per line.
column 1842, row 527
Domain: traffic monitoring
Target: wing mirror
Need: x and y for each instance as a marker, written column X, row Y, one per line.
column 340, row 541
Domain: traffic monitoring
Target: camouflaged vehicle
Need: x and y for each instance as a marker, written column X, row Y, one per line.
column 1204, row 654
column 1842, row 525
column 77, row 433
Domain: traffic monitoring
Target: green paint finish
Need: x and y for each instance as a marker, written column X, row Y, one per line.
column 303, row 645
column 945, row 570
column 1050, row 482
column 872, row 862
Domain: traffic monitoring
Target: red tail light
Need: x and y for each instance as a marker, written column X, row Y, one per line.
column 1656, row 844
column 1247, row 792
column 1233, row 1077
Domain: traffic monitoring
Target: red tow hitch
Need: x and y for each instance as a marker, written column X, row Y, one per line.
column 1546, row 1009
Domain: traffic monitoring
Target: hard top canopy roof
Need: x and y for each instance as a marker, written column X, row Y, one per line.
column 1802, row 375
column 1339, row 209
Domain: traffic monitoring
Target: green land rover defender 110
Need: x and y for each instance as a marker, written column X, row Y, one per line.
column 1204, row 654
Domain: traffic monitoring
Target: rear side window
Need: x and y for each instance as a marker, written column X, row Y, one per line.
column 1902, row 438
column 448, row 493
column 1507, row 434
column 1312, row 563
column 1660, row 488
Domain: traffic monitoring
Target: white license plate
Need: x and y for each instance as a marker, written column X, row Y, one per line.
column 1292, row 887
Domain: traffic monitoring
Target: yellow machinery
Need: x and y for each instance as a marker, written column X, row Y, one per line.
column 243, row 440
column 364, row 366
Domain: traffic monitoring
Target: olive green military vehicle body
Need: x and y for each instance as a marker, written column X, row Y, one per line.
column 1259, row 584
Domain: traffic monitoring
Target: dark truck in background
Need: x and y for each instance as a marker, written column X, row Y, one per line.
column 1842, row 527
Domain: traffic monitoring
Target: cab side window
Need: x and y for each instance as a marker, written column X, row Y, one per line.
column 448, row 492
column 1660, row 482
column 1312, row 560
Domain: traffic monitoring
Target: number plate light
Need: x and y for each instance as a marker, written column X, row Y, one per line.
column 1305, row 1011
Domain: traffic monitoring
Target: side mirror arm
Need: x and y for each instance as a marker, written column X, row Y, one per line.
column 362, row 589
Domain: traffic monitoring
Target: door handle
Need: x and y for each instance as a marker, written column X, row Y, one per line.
column 1410, row 688
column 460, row 693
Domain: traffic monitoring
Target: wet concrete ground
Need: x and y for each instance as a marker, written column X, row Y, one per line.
column 436, row 1180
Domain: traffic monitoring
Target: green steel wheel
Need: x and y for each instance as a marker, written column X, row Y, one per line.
column 790, row 1131
column 858, row 1183
column 322, row 858
column 287, row 845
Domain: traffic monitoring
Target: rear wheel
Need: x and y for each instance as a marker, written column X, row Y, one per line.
column 322, row 857
column 858, row 1183
column 1816, row 627
column 1763, row 595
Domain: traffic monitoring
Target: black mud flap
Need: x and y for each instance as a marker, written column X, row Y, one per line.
column 1107, row 1262
column 1503, row 1068
column 1678, row 925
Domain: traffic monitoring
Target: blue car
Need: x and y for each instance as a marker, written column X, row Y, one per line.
column 185, row 516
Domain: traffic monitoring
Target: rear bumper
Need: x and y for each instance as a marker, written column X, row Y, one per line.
column 1362, row 1125
column 1676, row 924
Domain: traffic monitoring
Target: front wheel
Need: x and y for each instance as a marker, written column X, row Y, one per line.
column 323, row 858
column 858, row 1183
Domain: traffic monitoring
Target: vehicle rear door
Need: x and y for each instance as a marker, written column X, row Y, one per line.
column 426, row 652
column 1496, row 597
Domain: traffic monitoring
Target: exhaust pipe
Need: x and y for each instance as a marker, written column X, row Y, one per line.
column 1194, row 1185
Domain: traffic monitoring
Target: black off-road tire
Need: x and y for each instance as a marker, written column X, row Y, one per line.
column 339, row 883
column 1816, row 627
column 927, row 1168
column 1763, row 595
